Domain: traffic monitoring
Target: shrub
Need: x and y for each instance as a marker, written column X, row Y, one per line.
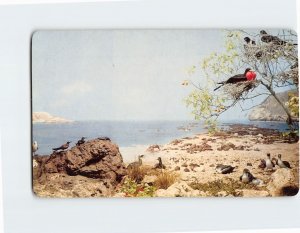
column 138, row 173
column 165, row 179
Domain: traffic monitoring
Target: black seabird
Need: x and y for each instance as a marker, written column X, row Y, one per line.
column 283, row 164
column 269, row 164
column 159, row 164
column 62, row 147
column 249, row 41
column 265, row 37
column 234, row 79
column 224, row 169
column 81, row 141
column 104, row 138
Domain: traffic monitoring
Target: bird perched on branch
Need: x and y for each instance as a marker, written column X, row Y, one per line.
column 248, row 75
column 249, row 41
column 267, row 38
column 62, row 147
column 250, row 47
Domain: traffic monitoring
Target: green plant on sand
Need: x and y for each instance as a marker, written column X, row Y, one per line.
column 133, row 189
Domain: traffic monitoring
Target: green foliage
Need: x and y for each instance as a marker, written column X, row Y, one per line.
column 218, row 64
column 293, row 104
column 133, row 189
column 229, row 186
column 269, row 61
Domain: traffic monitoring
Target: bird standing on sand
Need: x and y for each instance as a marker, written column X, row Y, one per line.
column 283, row 164
column 269, row 164
column 262, row 164
column 81, row 141
column 224, row 169
column 62, row 147
column 238, row 78
column 265, row 37
column 246, row 177
column 159, row 164
column 34, row 147
column 137, row 163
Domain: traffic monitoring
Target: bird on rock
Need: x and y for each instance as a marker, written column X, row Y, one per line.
column 62, row 147
column 81, row 141
column 34, row 147
column 104, row 138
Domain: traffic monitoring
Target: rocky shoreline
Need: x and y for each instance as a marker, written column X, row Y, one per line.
column 188, row 167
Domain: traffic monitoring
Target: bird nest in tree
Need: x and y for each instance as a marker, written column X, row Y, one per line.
column 268, row 51
column 290, row 75
column 237, row 90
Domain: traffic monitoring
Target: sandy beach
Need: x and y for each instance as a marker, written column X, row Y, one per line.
column 194, row 159
column 188, row 167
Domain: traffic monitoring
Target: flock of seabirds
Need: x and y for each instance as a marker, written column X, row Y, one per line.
column 267, row 164
column 248, row 75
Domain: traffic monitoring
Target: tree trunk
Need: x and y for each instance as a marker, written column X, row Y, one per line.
column 287, row 111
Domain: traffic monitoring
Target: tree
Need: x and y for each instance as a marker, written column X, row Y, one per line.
column 274, row 61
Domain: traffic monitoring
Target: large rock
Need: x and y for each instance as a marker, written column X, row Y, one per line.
column 283, row 183
column 65, row 186
column 44, row 117
column 269, row 109
column 96, row 159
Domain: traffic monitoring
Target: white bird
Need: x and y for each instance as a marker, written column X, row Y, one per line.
column 34, row 147
column 283, row 164
column 269, row 164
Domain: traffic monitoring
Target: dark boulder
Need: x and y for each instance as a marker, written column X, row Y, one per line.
column 96, row 159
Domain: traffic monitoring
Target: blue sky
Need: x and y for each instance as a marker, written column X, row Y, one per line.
column 118, row 74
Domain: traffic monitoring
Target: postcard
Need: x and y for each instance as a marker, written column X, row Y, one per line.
column 165, row 113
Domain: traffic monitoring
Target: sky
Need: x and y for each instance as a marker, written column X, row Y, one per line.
column 118, row 74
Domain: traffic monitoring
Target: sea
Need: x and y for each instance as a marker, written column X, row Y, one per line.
column 132, row 137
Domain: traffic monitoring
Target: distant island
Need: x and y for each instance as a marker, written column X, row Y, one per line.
column 269, row 109
column 45, row 117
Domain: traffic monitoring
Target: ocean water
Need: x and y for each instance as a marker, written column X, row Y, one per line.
column 127, row 134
